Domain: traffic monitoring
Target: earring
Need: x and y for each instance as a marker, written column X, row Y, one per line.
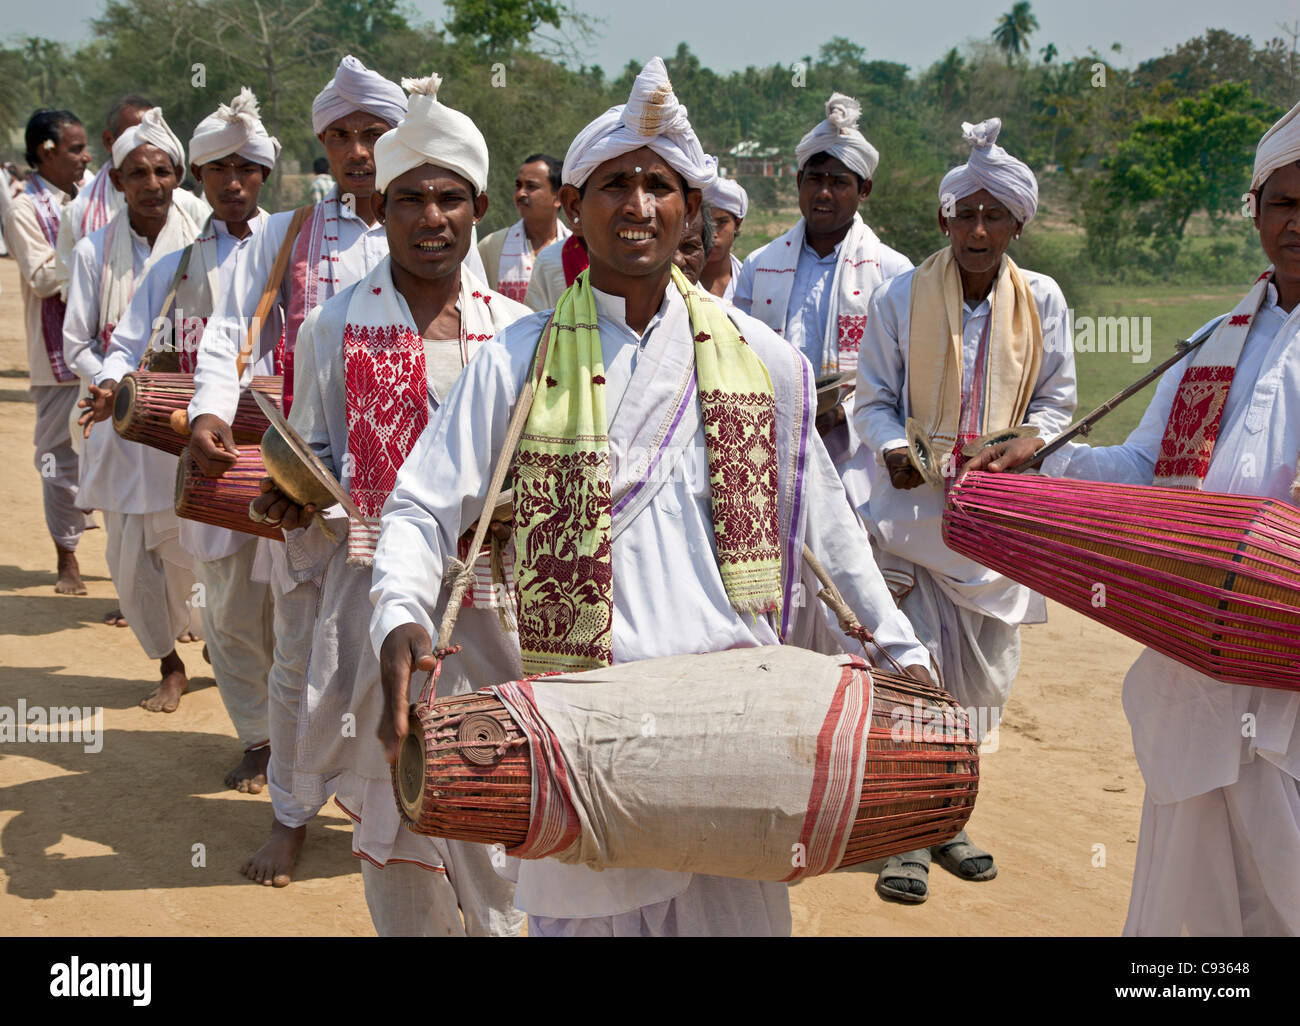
column 945, row 231
column 576, row 219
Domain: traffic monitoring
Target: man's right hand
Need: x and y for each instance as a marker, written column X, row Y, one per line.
column 406, row 649
column 901, row 472
column 212, row 445
column 275, row 509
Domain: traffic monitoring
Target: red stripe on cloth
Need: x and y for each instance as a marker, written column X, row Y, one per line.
column 553, row 825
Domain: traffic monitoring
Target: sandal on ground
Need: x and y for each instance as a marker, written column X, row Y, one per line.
column 895, row 880
column 961, row 858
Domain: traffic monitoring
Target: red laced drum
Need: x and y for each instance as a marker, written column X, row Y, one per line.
column 465, row 770
column 1210, row 580
column 223, row 501
column 150, row 408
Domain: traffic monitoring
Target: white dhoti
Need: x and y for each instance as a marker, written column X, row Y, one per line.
column 56, row 462
column 237, row 625
column 1222, row 864
column 711, row 906
column 153, row 575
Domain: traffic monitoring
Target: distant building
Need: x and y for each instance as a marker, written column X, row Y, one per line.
column 753, row 158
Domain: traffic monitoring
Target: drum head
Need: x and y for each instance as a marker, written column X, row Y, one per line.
column 124, row 403
column 922, row 454
column 410, row 770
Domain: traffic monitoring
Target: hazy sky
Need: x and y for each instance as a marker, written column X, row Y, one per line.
column 728, row 34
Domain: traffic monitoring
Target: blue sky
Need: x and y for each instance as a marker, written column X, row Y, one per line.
column 728, row 34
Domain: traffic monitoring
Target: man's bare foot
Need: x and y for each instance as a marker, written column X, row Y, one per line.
column 69, row 582
column 249, row 777
column 115, row 619
column 272, row 863
column 186, row 636
column 174, row 684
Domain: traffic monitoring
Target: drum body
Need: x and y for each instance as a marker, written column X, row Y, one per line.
column 150, row 408
column 465, row 771
column 1207, row 579
column 223, row 501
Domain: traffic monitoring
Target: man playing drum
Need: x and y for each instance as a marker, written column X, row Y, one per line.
column 1219, row 848
column 665, row 482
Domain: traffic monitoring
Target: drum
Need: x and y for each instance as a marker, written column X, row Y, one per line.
column 466, row 771
column 150, row 408
column 1210, row 580
column 223, row 501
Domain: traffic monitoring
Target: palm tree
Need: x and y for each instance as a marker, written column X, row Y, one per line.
column 1012, row 32
column 1048, row 52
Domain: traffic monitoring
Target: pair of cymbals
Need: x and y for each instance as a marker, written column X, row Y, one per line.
column 920, row 448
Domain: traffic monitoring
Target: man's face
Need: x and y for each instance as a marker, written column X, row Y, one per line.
column 829, row 195
column 128, row 117
column 725, row 226
column 428, row 214
column 632, row 213
column 231, row 186
column 146, row 180
column 350, row 149
column 534, row 198
column 67, row 162
column 689, row 255
column 1277, row 216
column 981, row 228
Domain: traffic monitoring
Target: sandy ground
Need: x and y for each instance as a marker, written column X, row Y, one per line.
column 142, row 839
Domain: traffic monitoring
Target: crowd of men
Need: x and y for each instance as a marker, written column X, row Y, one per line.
column 404, row 343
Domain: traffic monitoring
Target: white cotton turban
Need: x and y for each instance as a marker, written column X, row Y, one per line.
column 431, row 133
column 652, row 117
column 353, row 88
column 151, row 129
column 991, row 167
column 838, row 135
column 727, row 194
column 1279, row 147
column 234, row 129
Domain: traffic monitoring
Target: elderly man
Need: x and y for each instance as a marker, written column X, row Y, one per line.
column 659, row 572
column 328, row 246
column 231, row 155
column 132, row 484
column 730, row 203
column 1219, row 844
column 968, row 343
column 56, row 150
column 375, row 361
column 509, row 255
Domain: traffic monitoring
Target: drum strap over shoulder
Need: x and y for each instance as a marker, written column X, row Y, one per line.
column 272, row 286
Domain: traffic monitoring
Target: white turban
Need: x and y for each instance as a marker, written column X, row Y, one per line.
column 355, row 87
column 838, row 135
column 1279, row 147
column 652, row 117
column 151, row 129
column 727, row 194
column 235, row 129
column 431, row 133
column 991, row 167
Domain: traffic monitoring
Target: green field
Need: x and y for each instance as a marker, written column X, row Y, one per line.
column 1175, row 312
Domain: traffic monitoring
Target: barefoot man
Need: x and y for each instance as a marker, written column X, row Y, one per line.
column 373, row 363
column 133, row 484
column 231, row 155
column 56, row 150
column 337, row 244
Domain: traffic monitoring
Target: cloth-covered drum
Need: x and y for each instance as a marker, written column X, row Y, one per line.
column 1208, row 579
column 767, row 763
column 150, row 408
column 223, row 501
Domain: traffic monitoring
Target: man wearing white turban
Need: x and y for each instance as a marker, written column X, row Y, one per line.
column 966, row 344
column 231, row 156
column 410, row 325
column 133, row 485
column 1219, row 845
column 811, row 285
column 624, row 338
column 730, row 203
column 326, row 248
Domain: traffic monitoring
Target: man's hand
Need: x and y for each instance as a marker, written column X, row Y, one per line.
column 212, row 445
column 406, row 649
column 278, row 510
column 901, row 472
column 1005, row 455
column 918, row 672
column 98, row 406
column 830, row 420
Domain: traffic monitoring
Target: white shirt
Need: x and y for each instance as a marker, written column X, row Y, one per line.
column 37, row 275
column 547, row 283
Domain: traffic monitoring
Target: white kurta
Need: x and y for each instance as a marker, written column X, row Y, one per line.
column 675, row 603
column 37, row 276
column 547, row 283
column 1190, row 732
